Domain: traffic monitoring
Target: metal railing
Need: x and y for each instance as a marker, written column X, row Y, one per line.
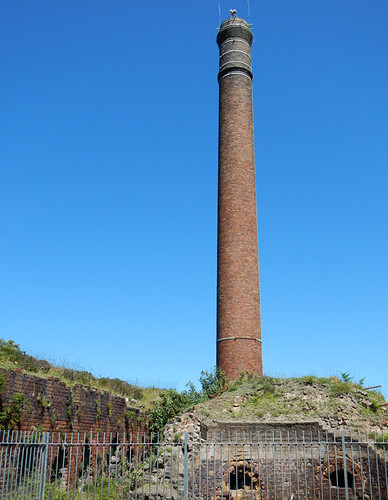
column 281, row 465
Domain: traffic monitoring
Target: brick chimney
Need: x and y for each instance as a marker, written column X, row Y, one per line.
column 238, row 293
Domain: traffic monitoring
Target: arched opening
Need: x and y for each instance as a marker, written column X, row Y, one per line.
column 240, row 480
column 242, row 476
column 115, row 444
column 59, row 463
column 85, row 458
column 337, row 478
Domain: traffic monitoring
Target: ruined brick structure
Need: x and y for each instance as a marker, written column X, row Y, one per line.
column 77, row 414
column 52, row 406
column 238, row 294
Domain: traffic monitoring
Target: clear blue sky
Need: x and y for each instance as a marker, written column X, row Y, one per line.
column 108, row 184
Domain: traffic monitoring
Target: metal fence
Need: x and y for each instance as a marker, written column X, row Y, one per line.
column 277, row 466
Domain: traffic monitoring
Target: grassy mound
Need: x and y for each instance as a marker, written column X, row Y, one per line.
column 334, row 402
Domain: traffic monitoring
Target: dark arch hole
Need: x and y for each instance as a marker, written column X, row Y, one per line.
column 115, row 443
column 240, row 480
column 59, row 462
column 86, row 457
column 337, row 478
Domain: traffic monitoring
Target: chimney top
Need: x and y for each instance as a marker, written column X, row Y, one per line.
column 234, row 27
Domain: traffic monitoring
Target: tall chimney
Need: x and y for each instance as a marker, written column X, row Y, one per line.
column 238, row 292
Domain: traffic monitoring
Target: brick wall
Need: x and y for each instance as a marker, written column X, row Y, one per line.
column 238, row 295
column 52, row 406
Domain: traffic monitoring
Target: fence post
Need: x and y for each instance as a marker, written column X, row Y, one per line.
column 345, row 466
column 45, row 442
column 186, row 466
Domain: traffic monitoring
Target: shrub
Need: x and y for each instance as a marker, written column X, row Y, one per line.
column 11, row 415
column 171, row 402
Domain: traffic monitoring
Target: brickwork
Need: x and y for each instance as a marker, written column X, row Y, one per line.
column 238, row 294
column 52, row 406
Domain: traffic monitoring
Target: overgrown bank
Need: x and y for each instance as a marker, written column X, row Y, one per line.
column 11, row 357
column 332, row 402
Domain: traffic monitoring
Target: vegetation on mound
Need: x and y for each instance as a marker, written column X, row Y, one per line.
column 334, row 401
column 171, row 403
column 11, row 357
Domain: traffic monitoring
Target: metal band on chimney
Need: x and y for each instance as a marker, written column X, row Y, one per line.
column 238, row 338
column 238, row 32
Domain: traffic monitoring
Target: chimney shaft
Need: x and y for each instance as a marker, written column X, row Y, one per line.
column 238, row 294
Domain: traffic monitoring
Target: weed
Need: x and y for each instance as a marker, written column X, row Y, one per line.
column 379, row 437
column 44, row 403
column 346, row 377
column 374, row 405
column 233, row 387
column 11, row 415
column 53, row 419
column 69, row 405
column 172, row 402
column 340, row 387
column 267, row 385
column 309, row 379
column 212, row 383
column 255, row 400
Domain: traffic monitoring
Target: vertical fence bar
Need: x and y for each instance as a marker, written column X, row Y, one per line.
column 229, row 445
column 312, row 462
column 353, row 471
column 15, row 453
column 69, row 466
column 186, row 466
column 251, row 461
column 345, row 466
column 5, row 481
column 195, row 450
column 385, row 460
column 266, row 461
column 281, row 463
column 289, row 464
column 297, row 464
column 25, row 459
column 377, row 466
column 45, row 449
column 369, row 469
column 361, row 465
column 214, row 464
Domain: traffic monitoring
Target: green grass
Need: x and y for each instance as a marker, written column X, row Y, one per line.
column 308, row 397
column 11, row 357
